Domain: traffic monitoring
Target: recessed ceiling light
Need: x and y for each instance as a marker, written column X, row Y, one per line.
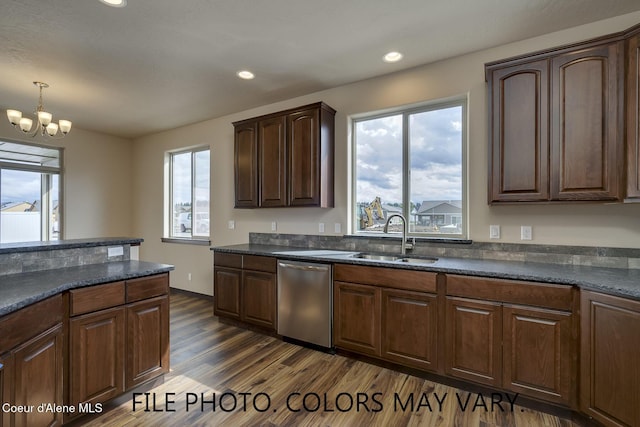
column 244, row 74
column 115, row 3
column 392, row 57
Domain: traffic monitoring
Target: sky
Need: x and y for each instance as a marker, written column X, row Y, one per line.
column 435, row 140
column 19, row 186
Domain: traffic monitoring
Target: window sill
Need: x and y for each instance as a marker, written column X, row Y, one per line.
column 197, row 242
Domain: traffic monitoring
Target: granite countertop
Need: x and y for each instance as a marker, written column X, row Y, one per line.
column 613, row 281
column 19, row 290
column 66, row 244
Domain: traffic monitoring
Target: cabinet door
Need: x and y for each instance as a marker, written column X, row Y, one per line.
column 226, row 292
column 538, row 347
column 474, row 340
column 272, row 153
column 610, row 359
column 304, row 149
column 356, row 318
column 632, row 90
column 38, row 378
column 259, row 298
column 586, row 130
column 147, row 340
column 519, row 110
column 97, row 349
column 246, row 165
column 409, row 328
column 6, row 386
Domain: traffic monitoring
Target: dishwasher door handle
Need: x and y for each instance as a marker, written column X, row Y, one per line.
column 304, row 267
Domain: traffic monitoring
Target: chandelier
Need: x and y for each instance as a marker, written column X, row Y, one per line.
column 44, row 125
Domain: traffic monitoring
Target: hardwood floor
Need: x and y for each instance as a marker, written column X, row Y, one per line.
column 216, row 367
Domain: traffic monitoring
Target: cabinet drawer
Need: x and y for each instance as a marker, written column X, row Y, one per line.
column 527, row 293
column 411, row 280
column 96, row 298
column 147, row 287
column 227, row 260
column 29, row 322
column 259, row 263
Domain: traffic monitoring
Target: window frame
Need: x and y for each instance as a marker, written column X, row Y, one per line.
column 406, row 111
column 169, row 237
column 47, row 173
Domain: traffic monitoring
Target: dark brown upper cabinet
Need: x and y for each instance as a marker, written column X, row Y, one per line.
column 286, row 158
column 632, row 92
column 556, row 124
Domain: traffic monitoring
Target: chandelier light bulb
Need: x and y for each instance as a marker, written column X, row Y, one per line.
column 52, row 129
column 25, row 124
column 14, row 116
column 44, row 117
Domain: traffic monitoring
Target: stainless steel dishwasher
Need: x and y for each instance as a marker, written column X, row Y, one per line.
column 305, row 302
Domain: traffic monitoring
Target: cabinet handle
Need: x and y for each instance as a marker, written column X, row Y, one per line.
column 304, row 267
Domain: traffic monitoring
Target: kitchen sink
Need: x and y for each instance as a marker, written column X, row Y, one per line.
column 394, row 258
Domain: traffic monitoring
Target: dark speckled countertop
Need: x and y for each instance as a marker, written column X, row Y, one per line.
column 19, row 290
column 612, row 281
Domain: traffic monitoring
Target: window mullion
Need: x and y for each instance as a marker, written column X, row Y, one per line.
column 406, row 170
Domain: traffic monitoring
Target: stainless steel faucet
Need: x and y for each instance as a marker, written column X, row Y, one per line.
column 404, row 246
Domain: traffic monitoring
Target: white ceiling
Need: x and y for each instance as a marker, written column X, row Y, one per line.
column 159, row 64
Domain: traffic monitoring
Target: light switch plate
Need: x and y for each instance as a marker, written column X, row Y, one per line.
column 494, row 231
column 321, row 227
column 525, row 232
column 274, row 226
column 232, row 225
column 337, row 227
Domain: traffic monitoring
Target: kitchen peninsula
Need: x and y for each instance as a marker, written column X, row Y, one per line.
column 84, row 319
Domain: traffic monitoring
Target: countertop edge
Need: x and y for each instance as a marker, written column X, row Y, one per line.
column 612, row 281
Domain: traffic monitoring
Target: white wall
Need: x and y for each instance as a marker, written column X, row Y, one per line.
column 97, row 181
column 614, row 225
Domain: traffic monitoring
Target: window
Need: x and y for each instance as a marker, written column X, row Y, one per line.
column 30, row 192
column 411, row 162
column 188, row 198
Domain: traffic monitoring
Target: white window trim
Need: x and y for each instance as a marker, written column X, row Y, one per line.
column 168, row 198
column 406, row 110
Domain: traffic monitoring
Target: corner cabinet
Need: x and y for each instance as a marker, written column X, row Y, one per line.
column 556, row 128
column 632, row 91
column 610, row 359
column 285, row 159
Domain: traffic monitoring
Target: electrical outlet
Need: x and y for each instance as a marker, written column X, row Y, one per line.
column 274, row 226
column 321, row 227
column 494, row 231
column 115, row 251
column 232, row 225
column 337, row 227
column 525, row 232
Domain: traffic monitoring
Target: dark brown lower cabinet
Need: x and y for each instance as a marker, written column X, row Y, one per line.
column 356, row 324
column 259, row 298
column 409, row 328
column 37, row 378
column 474, row 340
column 147, row 340
column 245, row 289
column 610, row 359
column 97, row 350
column 6, row 370
column 537, row 359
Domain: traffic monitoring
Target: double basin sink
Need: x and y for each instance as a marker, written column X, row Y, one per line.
column 393, row 258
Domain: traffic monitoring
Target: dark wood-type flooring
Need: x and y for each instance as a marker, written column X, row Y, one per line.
column 209, row 357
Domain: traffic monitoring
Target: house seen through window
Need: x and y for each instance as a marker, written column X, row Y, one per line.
column 30, row 192
column 188, row 214
column 411, row 162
